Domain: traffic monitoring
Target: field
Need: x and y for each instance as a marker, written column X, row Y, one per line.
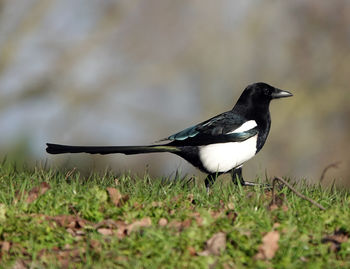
column 61, row 219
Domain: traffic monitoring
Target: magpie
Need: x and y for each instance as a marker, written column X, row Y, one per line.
column 219, row 145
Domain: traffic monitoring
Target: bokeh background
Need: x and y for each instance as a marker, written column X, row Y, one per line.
column 130, row 72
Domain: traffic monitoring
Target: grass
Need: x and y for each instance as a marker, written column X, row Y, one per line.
column 76, row 223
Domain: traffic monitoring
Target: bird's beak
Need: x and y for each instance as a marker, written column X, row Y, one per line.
column 277, row 93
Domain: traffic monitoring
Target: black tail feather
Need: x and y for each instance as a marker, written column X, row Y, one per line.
column 59, row 149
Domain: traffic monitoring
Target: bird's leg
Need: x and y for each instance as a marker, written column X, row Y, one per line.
column 237, row 176
column 209, row 180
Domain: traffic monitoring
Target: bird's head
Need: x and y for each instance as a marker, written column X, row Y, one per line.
column 261, row 93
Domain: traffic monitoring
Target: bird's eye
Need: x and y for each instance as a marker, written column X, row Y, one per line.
column 266, row 91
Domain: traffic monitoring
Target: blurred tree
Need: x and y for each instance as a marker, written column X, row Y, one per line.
column 121, row 72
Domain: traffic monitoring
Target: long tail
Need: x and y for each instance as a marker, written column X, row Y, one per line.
column 59, row 149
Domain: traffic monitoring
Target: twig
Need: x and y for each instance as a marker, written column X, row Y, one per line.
column 332, row 165
column 294, row 190
column 70, row 173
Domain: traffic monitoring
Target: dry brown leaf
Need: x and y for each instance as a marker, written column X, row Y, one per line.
column 230, row 206
column 186, row 223
column 145, row 222
column 65, row 257
column 34, row 193
column 215, row 245
column 273, row 207
column 115, row 196
column 37, row 191
column 269, row 246
column 70, row 231
column 197, row 217
column 215, row 214
column 5, row 247
column 180, row 225
column 19, row 264
column 105, row 231
column 176, row 198
column 276, row 225
column 108, row 223
column 69, row 221
column 120, row 228
column 157, row 204
column 190, row 198
column 192, row 251
column 175, row 224
column 162, row 222
column 231, row 215
column 122, row 231
column 95, row 245
column 222, row 204
column 279, row 202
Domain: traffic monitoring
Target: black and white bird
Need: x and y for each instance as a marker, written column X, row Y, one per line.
column 219, row 145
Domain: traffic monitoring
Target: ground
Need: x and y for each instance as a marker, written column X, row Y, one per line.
column 62, row 219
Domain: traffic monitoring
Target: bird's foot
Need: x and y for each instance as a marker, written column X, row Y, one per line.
column 252, row 184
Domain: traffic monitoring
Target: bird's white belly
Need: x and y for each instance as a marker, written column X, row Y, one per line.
column 222, row 157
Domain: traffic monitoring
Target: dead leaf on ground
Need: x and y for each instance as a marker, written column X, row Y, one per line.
column 116, row 197
column 157, row 204
column 95, row 245
column 176, row 198
column 279, row 202
column 20, row 264
column 65, row 257
column 37, row 191
column 69, row 221
column 5, row 247
column 276, row 225
column 192, row 251
column 340, row 236
column 162, row 222
column 191, row 199
column 105, row 231
column 197, row 217
column 273, row 207
column 138, row 205
column 145, row 222
column 230, row 206
column 33, row 194
column 216, row 214
column 108, row 223
column 180, row 225
column 231, row 215
column 175, row 224
column 121, row 229
column 215, row 245
column 269, row 246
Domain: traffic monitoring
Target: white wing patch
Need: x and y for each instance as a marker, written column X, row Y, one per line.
column 222, row 157
column 245, row 127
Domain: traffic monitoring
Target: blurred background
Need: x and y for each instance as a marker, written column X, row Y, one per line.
column 106, row 72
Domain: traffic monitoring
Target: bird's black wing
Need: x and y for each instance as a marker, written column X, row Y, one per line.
column 218, row 129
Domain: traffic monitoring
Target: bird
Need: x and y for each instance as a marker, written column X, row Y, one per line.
column 219, row 145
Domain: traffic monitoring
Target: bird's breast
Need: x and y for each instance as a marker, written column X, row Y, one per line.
column 222, row 157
